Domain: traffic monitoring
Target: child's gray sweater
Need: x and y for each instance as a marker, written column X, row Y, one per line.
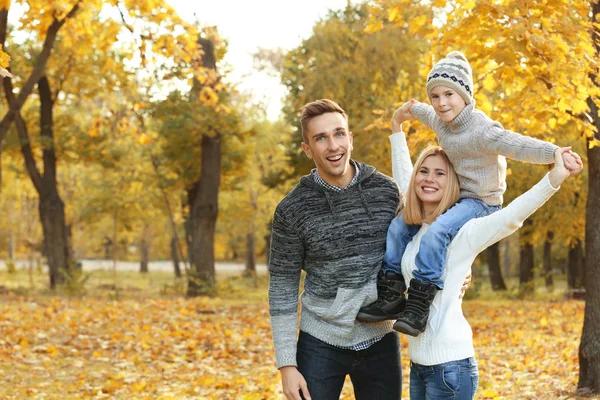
column 338, row 239
column 476, row 145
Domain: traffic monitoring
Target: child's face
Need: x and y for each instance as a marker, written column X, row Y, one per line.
column 446, row 102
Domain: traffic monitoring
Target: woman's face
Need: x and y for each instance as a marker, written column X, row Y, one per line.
column 430, row 181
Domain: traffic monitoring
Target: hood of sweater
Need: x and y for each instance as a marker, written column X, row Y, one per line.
column 366, row 171
column 463, row 119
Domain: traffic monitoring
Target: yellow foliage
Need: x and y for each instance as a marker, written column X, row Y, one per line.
column 4, row 61
column 416, row 24
column 208, row 97
column 144, row 139
column 593, row 143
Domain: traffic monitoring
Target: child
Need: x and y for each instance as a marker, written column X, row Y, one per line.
column 476, row 145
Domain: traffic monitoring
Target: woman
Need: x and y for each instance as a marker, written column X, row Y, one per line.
column 443, row 364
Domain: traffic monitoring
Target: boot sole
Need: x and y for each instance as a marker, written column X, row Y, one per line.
column 400, row 326
column 371, row 318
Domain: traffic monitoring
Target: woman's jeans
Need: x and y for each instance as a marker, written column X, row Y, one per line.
column 375, row 371
column 456, row 380
column 434, row 244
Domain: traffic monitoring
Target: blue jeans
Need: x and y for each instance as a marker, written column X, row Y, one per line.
column 434, row 244
column 375, row 372
column 456, row 380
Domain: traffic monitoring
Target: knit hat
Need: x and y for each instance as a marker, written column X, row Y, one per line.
column 454, row 72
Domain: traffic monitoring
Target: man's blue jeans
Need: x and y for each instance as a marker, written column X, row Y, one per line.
column 434, row 244
column 375, row 372
column 456, row 380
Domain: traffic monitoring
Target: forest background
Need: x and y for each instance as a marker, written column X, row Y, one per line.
column 122, row 139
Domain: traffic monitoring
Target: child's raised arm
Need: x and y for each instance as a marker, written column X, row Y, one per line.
column 403, row 114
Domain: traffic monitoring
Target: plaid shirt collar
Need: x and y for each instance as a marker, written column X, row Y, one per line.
column 321, row 182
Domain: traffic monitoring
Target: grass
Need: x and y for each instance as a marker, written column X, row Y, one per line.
column 129, row 284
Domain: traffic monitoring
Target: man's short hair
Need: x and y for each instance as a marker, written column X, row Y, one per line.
column 315, row 109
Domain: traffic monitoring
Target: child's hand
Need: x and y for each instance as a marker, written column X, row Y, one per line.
column 402, row 114
column 559, row 173
column 572, row 162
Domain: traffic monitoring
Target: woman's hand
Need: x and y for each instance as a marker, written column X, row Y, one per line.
column 559, row 173
column 402, row 114
column 466, row 284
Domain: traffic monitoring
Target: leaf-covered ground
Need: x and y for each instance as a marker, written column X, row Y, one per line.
column 54, row 347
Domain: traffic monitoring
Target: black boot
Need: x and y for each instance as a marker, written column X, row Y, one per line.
column 414, row 319
column 390, row 299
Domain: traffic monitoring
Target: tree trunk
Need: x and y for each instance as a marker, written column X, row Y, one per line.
column 575, row 265
column 268, row 241
column 175, row 257
column 204, row 219
column 204, row 208
column 250, row 237
column 589, row 348
column 250, row 255
column 507, row 261
column 52, row 216
column 493, row 259
column 526, row 260
column 11, row 245
column 548, row 262
column 144, row 251
column 51, row 206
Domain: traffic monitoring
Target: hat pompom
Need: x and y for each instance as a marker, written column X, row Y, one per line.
column 458, row 55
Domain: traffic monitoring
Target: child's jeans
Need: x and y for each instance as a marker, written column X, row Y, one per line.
column 434, row 244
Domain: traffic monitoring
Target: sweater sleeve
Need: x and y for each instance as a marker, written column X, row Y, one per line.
column 425, row 114
column 481, row 233
column 516, row 146
column 401, row 165
column 285, row 265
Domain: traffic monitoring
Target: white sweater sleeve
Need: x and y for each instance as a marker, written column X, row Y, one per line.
column 481, row 233
column 401, row 165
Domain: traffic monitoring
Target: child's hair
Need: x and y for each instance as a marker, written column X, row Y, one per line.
column 315, row 109
column 413, row 210
column 454, row 72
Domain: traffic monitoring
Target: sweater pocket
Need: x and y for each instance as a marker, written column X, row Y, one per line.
column 342, row 310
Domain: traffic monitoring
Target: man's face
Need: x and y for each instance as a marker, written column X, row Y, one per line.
column 329, row 144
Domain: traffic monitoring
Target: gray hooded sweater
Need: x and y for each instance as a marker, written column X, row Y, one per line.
column 338, row 239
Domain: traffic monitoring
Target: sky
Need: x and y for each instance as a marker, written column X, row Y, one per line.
column 249, row 25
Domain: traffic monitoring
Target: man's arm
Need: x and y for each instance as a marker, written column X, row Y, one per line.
column 285, row 265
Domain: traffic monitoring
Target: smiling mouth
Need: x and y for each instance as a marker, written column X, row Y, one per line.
column 335, row 158
column 429, row 190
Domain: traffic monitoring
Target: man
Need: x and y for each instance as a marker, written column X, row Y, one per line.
column 332, row 225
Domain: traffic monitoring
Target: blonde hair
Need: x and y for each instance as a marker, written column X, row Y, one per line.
column 413, row 213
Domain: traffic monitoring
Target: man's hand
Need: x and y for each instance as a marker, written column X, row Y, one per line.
column 293, row 382
column 465, row 285
column 402, row 114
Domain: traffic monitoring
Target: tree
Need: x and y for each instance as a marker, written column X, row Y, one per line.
column 589, row 350
column 85, row 42
column 493, row 259
column 199, row 125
